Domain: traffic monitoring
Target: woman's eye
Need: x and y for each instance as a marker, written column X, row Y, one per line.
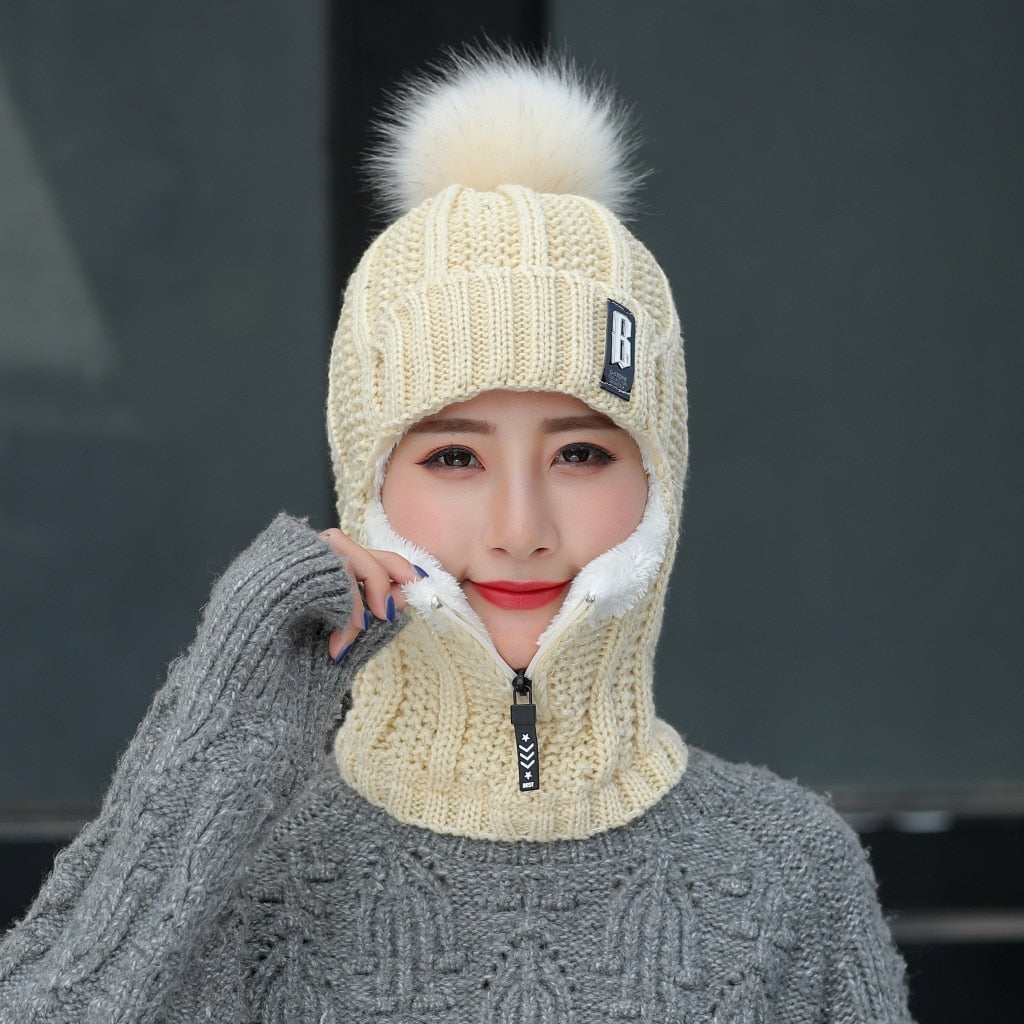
column 580, row 454
column 452, row 458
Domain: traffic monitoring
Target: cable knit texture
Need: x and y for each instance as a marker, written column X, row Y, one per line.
column 473, row 291
column 429, row 737
column 233, row 876
column 505, row 278
column 476, row 291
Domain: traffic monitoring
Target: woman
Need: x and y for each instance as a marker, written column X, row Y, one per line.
column 504, row 830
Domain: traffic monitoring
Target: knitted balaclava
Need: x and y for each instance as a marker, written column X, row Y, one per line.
column 507, row 269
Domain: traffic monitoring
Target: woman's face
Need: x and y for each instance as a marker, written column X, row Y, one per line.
column 514, row 492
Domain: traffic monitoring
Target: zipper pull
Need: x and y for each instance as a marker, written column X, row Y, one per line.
column 524, row 724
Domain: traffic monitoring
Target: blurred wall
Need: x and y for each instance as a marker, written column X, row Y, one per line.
column 164, row 322
column 837, row 200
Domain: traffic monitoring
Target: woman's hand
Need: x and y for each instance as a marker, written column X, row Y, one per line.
column 378, row 576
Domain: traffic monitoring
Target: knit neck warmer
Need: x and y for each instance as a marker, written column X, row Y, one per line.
column 429, row 737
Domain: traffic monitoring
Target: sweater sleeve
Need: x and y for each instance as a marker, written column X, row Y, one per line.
column 864, row 982
column 239, row 725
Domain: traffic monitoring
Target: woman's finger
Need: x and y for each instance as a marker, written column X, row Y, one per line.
column 379, row 576
column 340, row 643
column 383, row 582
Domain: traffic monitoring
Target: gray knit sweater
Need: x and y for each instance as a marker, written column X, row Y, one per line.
column 233, row 876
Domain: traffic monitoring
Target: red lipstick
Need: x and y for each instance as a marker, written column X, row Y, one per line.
column 520, row 597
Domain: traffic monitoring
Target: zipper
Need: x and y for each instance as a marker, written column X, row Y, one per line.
column 581, row 608
column 523, row 712
column 524, row 730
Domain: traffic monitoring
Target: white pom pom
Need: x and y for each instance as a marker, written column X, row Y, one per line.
column 488, row 119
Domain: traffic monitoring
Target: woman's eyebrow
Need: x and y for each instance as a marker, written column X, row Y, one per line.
column 549, row 425
column 585, row 421
column 451, row 425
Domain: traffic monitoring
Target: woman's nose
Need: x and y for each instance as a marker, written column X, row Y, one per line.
column 520, row 520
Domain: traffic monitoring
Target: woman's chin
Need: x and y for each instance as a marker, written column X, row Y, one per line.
column 516, row 640
column 516, row 656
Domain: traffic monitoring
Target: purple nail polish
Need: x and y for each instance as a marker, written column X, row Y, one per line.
column 342, row 654
column 389, row 609
column 367, row 619
column 422, row 572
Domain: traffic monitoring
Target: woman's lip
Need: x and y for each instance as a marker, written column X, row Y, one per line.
column 520, row 596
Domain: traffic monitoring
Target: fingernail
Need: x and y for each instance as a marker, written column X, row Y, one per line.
column 342, row 655
column 422, row 572
column 367, row 619
column 389, row 609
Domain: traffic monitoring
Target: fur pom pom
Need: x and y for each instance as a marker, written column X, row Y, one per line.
column 490, row 118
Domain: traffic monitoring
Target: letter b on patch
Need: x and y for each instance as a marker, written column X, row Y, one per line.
column 619, row 351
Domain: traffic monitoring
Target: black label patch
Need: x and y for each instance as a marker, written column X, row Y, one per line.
column 619, row 351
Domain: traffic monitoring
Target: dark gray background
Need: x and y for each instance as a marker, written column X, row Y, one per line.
column 837, row 203
column 164, row 324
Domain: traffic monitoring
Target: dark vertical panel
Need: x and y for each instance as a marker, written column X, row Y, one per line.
column 373, row 47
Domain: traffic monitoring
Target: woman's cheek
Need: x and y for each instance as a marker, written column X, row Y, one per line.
column 441, row 524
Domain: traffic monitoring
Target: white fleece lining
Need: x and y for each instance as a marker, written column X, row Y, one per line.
column 617, row 579
column 439, row 584
column 620, row 577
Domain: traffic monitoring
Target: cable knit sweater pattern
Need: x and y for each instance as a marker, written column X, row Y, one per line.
column 233, row 876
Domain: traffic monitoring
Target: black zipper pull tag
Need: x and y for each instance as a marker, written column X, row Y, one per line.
column 524, row 723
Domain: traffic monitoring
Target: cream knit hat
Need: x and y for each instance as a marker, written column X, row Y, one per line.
column 509, row 269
